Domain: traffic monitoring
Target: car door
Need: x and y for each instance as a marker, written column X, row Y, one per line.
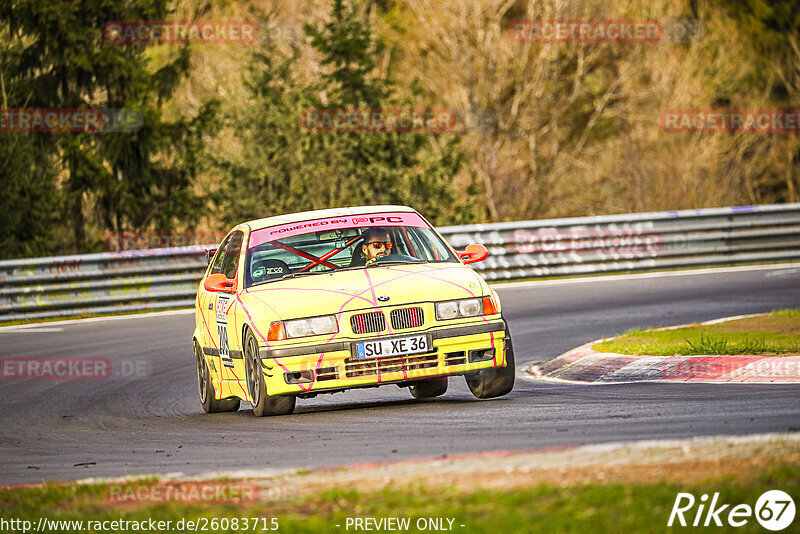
column 206, row 302
column 223, row 302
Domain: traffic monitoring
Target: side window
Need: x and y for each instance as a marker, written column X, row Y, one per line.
column 398, row 238
column 420, row 245
column 216, row 263
column 231, row 259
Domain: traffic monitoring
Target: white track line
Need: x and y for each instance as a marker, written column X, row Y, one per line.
column 616, row 277
column 28, row 326
column 28, row 329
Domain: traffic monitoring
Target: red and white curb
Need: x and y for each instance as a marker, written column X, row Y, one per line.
column 584, row 364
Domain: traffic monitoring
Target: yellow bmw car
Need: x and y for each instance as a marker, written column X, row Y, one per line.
column 325, row 301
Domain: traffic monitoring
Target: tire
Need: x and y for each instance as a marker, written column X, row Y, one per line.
column 262, row 403
column 207, row 392
column 426, row 389
column 498, row 381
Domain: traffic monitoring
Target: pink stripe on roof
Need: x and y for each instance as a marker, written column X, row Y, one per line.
column 271, row 233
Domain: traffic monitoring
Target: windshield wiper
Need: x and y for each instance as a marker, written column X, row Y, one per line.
column 348, row 268
column 393, row 262
column 340, row 269
column 287, row 276
column 301, row 273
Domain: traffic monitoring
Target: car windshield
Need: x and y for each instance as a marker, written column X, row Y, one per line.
column 323, row 245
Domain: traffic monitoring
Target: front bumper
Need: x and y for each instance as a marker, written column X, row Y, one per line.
column 333, row 366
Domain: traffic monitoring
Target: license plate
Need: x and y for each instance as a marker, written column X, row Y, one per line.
column 394, row 346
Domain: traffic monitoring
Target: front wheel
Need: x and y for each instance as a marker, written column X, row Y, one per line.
column 426, row 389
column 262, row 403
column 498, row 381
column 207, row 393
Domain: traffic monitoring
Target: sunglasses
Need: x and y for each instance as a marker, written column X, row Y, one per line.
column 380, row 244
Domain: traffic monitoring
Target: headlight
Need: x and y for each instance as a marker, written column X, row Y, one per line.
column 325, row 324
column 447, row 310
column 299, row 328
column 458, row 308
column 469, row 308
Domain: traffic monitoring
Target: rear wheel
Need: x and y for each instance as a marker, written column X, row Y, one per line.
column 498, row 381
column 207, row 393
column 262, row 403
column 426, row 389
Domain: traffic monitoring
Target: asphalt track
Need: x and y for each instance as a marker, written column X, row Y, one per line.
column 152, row 422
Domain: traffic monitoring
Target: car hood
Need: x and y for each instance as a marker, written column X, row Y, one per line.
column 344, row 291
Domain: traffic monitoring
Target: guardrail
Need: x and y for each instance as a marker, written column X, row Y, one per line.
column 167, row 278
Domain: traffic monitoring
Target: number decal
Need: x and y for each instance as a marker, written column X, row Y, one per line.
column 775, row 510
column 222, row 331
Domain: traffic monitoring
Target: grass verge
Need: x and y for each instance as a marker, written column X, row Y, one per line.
column 773, row 334
column 543, row 507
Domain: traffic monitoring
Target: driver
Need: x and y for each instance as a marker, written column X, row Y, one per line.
column 376, row 245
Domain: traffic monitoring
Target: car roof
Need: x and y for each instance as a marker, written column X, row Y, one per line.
column 257, row 224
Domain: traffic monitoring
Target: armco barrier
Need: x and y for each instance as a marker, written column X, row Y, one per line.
column 166, row 278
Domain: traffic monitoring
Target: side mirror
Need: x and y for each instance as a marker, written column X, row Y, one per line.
column 473, row 253
column 218, row 283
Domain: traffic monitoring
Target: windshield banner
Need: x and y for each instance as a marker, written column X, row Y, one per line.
column 265, row 235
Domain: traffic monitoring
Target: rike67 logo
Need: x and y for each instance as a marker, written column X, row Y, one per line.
column 774, row 510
